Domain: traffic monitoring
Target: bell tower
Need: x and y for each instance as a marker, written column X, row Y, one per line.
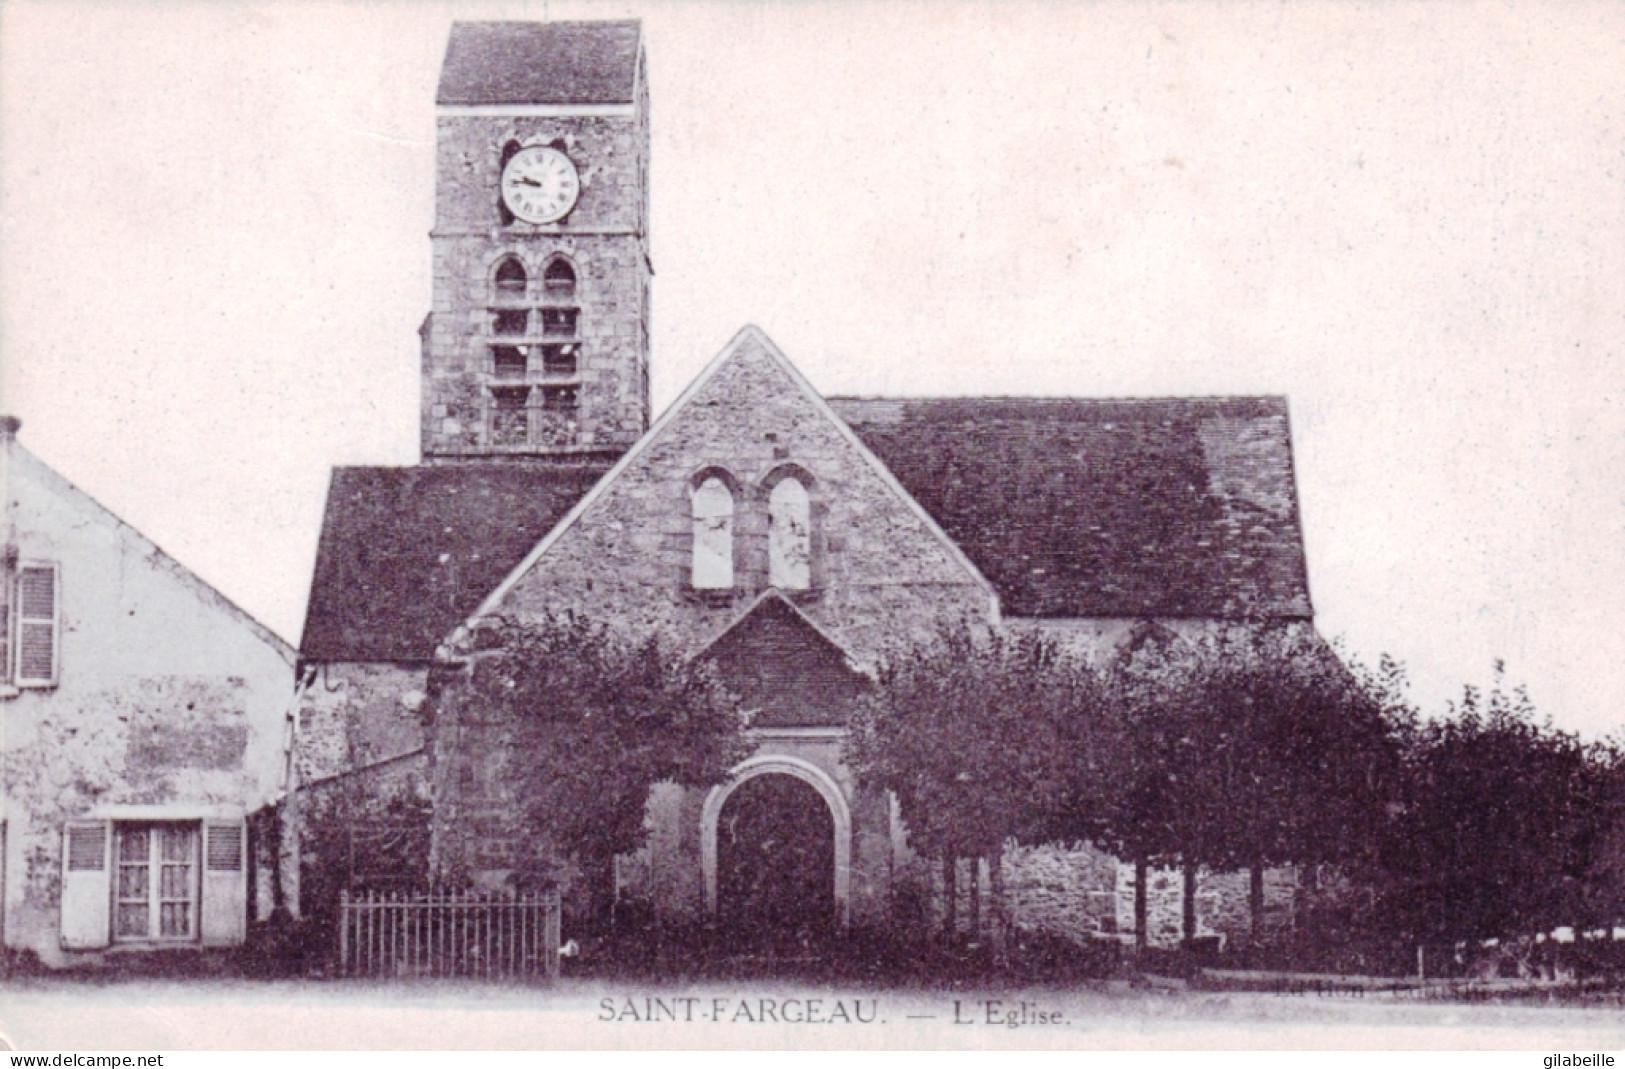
column 537, row 344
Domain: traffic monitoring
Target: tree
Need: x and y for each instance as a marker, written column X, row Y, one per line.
column 973, row 733
column 1506, row 823
column 598, row 720
column 1250, row 746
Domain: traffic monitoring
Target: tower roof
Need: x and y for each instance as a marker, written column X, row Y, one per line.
column 496, row 63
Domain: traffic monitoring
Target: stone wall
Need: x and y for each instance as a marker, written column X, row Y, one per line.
column 474, row 768
column 605, row 237
column 881, row 575
column 354, row 715
column 362, row 827
column 1082, row 892
column 1065, row 892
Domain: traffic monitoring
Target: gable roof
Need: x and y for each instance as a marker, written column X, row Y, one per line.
column 494, row 63
column 407, row 553
column 55, row 481
column 749, row 335
column 784, row 668
column 1076, row 508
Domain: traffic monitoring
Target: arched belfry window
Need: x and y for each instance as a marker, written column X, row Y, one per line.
column 559, row 279
column 560, row 318
column 713, row 508
column 789, row 535
column 509, row 323
column 510, row 278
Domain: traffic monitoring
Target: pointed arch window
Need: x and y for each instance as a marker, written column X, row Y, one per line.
column 511, row 278
column 712, row 504
column 560, row 316
column 559, row 280
column 789, row 535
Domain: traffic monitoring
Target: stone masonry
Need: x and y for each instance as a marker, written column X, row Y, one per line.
column 881, row 575
column 604, row 239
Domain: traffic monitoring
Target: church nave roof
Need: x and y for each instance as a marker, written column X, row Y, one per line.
column 1085, row 508
column 407, row 553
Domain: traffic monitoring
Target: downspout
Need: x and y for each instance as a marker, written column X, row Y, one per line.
column 289, row 854
column 9, row 425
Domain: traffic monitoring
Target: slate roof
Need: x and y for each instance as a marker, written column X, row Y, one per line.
column 1076, row 508
column 540, row 63
column 407, row 553
column 784, row 669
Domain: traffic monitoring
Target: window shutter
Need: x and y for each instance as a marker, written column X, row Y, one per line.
column 87, row 886
column 224, row 911
column 36, row 625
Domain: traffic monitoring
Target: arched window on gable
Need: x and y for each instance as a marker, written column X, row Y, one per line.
column 789, row 535
column 712, row 503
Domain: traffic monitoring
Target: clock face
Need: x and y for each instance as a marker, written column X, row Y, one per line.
column 539, row 184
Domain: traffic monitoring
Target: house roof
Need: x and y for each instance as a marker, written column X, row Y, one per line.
column 30, row 466
column 407, row 553
column 785, row 670
column 1077, row 508
column 495, row 63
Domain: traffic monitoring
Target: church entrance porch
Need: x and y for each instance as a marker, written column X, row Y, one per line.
column 776, row 851
column 776, row 864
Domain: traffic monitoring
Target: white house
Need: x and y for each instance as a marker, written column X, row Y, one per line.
column 142, row 723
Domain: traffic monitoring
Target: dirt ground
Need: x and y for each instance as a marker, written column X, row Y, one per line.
column 50, row 1014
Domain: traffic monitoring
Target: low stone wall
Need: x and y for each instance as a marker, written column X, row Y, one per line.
column 1084, row 893
column 1070, row 892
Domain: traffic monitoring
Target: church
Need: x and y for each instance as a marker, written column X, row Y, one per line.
column 794, row 537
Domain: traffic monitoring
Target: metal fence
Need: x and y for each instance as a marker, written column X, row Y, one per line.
column 449, row 933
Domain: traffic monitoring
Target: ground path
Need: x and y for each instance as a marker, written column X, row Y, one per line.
column 53, row 1014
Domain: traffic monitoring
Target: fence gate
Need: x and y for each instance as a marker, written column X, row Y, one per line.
column 456, row 933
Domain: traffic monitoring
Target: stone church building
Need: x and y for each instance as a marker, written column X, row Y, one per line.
column 794, row 537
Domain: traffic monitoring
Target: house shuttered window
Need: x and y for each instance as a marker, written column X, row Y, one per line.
column 154, row 882
column 224, row 914
column 157, row 887
column 85, row 884
column 35, row 630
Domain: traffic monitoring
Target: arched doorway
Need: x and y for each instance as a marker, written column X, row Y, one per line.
column 756, row 824
column 776, row 862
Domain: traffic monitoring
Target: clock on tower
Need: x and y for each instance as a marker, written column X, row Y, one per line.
column 537, row 345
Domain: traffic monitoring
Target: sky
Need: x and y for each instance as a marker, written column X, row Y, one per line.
column 1406, row 218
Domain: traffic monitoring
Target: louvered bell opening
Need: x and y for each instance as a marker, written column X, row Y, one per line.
column 559, row 360
column 508, row 362
column 559, row 322
column 510, row 321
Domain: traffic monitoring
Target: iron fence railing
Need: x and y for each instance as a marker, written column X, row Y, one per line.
column 449, row 934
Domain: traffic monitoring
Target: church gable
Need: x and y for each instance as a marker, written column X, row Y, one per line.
column 786, row 671
column 748, row 483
